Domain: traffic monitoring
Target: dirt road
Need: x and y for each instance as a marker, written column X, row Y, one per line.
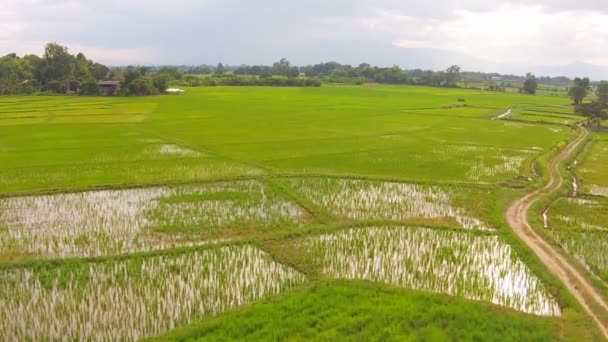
column 517, row 217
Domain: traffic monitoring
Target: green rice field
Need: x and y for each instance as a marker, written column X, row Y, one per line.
column 579, row 221
column 256, row 213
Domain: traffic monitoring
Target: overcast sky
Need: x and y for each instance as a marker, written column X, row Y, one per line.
column 479, row 34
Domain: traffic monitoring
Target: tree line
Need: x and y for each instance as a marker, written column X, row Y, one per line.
column 59, row 71
column 333, row 72
column 56, row 71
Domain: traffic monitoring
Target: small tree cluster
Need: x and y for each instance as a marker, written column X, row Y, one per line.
column 138, row 81
column 595, row 111
column 56, row 71
column 530, row 84
column 579, row 90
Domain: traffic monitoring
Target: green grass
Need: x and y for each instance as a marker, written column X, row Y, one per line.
column 359, row 311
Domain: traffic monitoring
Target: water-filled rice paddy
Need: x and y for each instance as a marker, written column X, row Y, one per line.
column 474, row 267
column 132, row 299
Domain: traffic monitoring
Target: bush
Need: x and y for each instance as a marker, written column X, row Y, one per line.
column 56, row 87
column 161, row 82
column 89, row 87
column 142, row 85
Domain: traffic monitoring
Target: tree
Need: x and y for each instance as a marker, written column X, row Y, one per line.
column 602, row 93
column 56, row 71
column 452, row 75
column 530, row 85
column 220, row 69
column 143, row 85
column 595, row 112
column 89, row 87
column 578, row 91
column 58, row 66
column 172, row 73
column 284, row 68
column 161, row 82
column 130, row 75
column 15, row 75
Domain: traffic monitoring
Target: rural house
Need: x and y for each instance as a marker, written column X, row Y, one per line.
column 109, row 87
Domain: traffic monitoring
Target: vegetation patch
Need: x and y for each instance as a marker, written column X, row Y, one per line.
column 358, row 311
column 475, row 267
column 135, row 298
column 368, row 200
column 588, row 247
column 113, row 222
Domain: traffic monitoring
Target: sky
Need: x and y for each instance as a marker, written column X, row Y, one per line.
column 546, row 36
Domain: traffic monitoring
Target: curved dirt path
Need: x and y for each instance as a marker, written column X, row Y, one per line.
column 517, row 217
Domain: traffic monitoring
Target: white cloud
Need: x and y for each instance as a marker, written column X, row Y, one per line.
column 509, row 34
column 513, row 32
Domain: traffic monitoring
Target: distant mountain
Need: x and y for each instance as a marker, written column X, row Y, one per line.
column 387, row 55
column 381, row 54
column 434, row 59
column 594, row 72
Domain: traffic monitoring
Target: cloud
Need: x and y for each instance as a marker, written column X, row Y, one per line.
column 509, row 32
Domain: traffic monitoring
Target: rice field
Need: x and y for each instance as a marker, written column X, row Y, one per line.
column 114, row 222
column 579, row 224
column 593, row 167
column 367, row 200
column 233, row 205
column 475, row 267
column 57, row 110
column 580, row 214
column 165, row 197
column 555, row 115
column 129, row 300
column 588, row 247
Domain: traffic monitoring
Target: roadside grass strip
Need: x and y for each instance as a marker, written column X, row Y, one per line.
column 481, row 268
column 136, row 298
column 114, row 222
column 365, row 200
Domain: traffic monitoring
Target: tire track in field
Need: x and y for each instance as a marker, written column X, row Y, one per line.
column 575, row 281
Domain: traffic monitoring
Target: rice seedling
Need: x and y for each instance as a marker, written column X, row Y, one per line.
column 136, row 298
column 485, row 163
column 115, row 222
column 599, row 190
column 227, row 205
column 175, row 150
column 365, row 200
column 580, row 214
column 480, row 268
column 499, row 165
column 588, row 247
